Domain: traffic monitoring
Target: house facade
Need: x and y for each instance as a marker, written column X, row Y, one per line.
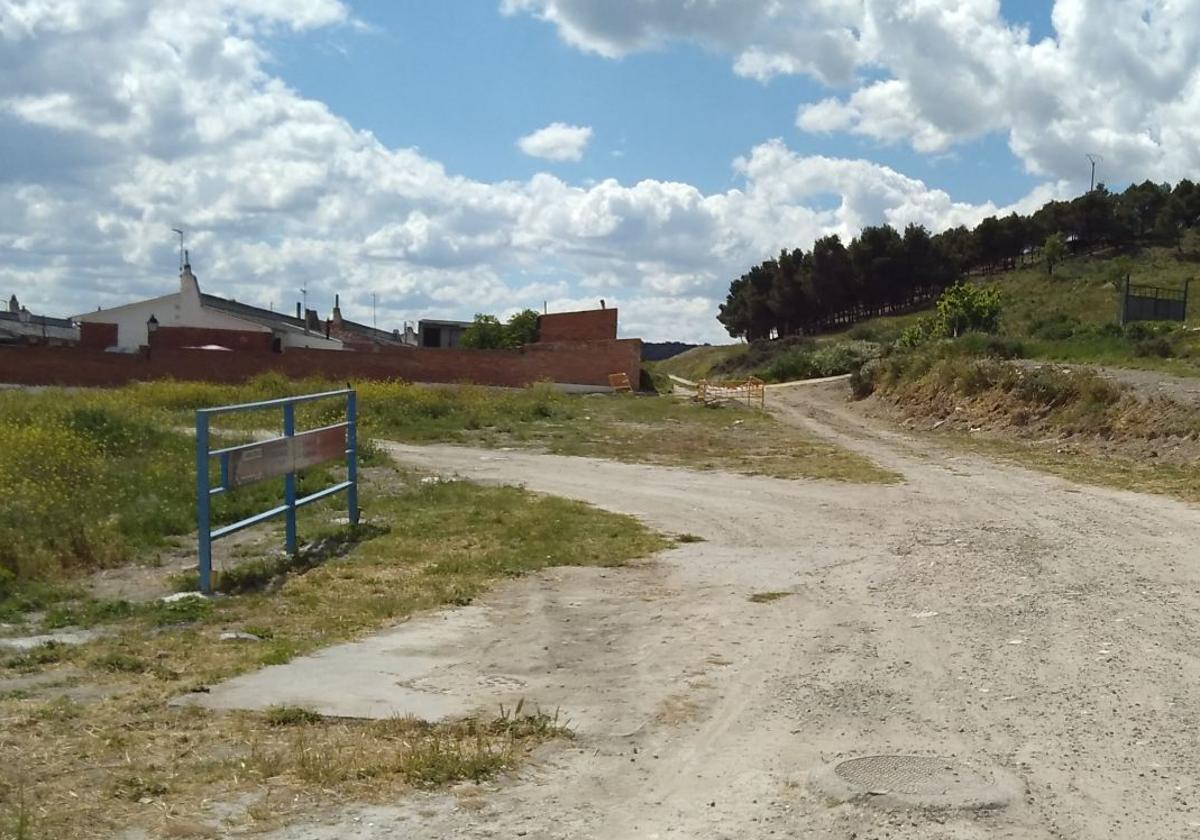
column 189, row 318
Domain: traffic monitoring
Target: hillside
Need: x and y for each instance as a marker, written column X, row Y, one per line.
column 1070, row 316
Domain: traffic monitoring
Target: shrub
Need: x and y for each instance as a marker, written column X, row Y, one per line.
column 1056, row 327
column 964, row 308
column 863, row 379
column 1154, row 347
column 993, row 346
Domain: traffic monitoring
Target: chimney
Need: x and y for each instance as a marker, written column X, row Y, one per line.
column 13, row 304
column 189, row 286
column 312, row 320
column 298, row 313
column 337, row 311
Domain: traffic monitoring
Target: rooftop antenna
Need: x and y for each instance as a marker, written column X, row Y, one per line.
column 1094, row 159
column 181, row 257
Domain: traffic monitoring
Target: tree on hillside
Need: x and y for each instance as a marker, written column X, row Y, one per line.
column 1053, row 250
column 1141, row 203
column 1172, row 219
column 959, row 245
column 786, row 297
column 876, row 255
column 833, row 281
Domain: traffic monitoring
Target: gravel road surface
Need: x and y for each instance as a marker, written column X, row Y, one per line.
column 1036, row 639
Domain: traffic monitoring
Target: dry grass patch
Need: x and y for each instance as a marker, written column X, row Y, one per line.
column 667, row 432
column 120, row 756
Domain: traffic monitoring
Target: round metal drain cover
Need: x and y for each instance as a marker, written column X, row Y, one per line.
column 916, row 781
column 910, row 774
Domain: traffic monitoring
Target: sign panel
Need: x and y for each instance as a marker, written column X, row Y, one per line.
column 274, row 458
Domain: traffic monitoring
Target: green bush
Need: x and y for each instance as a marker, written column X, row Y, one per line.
column 1056, row 327
column 966, row 308
column 1158, row 347
column 863, row 379
column 993, row 346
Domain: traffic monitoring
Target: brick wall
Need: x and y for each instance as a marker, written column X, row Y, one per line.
column 241, row 340
column 578, row 363
column 590, row 325
column 97, row 336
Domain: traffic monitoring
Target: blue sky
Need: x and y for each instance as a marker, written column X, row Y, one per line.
column 461, row 81
column 450, row 158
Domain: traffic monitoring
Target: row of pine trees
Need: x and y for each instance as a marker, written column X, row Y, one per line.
column 883, row 271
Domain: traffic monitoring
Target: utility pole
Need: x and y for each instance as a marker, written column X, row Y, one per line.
column 374, row 320
column 1094, row 159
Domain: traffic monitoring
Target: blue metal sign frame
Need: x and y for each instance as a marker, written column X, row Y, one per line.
column 205, row 491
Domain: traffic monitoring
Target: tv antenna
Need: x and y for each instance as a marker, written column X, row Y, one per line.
column 1094, row 160
column 181, row 258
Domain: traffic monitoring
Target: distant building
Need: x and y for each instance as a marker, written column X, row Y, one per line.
column 357, row 336
column 20, row 326
column 431, row 333
column 188, row 318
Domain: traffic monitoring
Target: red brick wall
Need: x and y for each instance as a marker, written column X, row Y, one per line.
column 176, row 337
column 579, row 363
column 97, row 336
column 590, row 325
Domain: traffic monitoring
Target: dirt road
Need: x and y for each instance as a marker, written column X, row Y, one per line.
column 1037, row 636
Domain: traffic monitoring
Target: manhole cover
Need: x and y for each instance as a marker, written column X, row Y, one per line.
column 911, row 774
column 916, row 781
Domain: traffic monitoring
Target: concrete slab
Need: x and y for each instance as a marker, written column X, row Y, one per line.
column 551, row 640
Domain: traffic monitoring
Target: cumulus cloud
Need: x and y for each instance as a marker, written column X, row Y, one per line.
column 1119, row 77
column 126, row 118
column 557, row 141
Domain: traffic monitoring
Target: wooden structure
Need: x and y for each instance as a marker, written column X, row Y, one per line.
column 750, row 392
column 620, row 383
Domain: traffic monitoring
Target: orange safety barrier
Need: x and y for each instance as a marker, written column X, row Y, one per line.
column 750, row 392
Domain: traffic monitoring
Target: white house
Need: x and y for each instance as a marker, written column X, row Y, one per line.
column 189, row 308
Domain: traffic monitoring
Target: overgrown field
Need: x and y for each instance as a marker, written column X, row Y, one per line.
column 90, row 745
column 93, row 478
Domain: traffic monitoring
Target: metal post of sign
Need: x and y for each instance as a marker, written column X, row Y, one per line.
column 267, row 459
column 352, row 457
column 204, row 565
column 289, row 481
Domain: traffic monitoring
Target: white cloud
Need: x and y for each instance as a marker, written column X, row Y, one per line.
column 557, row 141
column 1120, row 77
column 122, row 120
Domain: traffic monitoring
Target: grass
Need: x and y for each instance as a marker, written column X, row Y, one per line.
column 93, row 479
column 1071, row 423
column 1178, row 481
column 699, row 362
column 675, row 433
column 120, row 756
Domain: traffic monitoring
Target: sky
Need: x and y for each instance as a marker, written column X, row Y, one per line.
column 441, row 158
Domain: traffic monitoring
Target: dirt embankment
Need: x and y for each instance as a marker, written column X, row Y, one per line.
column 1117, row 414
